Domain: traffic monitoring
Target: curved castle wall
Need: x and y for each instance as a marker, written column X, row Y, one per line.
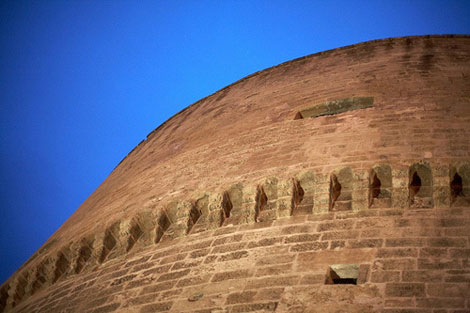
column 337, row 182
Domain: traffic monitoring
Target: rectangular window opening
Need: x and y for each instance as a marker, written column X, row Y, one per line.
column 342, row 274
column 335, row 107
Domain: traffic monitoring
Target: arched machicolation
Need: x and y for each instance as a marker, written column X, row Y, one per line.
column 270, row 200
column 337, row 182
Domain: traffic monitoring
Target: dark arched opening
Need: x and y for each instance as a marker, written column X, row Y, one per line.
column 227, row 205
column 194, row 214
column 134, row 234
column 420, row 186
column 261, row 201
column 335, row 190
column 61, row 266
column 163, row 223
column 456, row 187
column 298, row 196
column 83, row 256
column 415, row 184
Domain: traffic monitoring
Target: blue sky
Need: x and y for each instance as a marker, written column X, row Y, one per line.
column 83, row 82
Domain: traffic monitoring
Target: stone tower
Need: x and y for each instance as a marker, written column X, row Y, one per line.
column 337, row 182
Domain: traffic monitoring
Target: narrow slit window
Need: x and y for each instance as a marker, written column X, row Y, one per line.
column 415, row 184
column 335, row 190
column 261, row 201
column 20, row 290
column 109, row 243
column 4, row 296
column 341, row 189
column 194, row 215
column 460, row 185
column 61, row 266
column 163, row 223
column 420, row 186
column 134, row 234
column 41, row 276
column 298, row 196
column 227, row 204
column 303, row 193
column 380, row 186
column 83, row 257
column 456, row 186
column 375, row 187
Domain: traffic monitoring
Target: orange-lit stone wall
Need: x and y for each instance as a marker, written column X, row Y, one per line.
column 243, row 203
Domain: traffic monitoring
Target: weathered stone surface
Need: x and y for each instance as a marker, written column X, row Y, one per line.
column 237, row 205
column 337, row 106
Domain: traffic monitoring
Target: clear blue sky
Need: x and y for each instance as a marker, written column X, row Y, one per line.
column 83, row 82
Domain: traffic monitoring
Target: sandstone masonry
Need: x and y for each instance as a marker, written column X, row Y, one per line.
column 337, row 182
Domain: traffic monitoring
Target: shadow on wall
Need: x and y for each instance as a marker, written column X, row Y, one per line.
column 418, row 187
column 460, row 185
